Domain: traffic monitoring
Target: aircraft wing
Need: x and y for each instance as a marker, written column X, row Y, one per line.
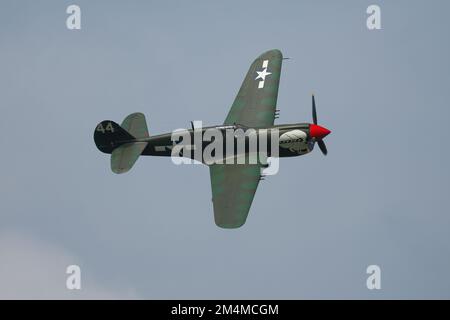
column 233, row 188
column 256, row 101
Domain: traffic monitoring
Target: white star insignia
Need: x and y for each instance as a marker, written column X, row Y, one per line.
column 262, row 74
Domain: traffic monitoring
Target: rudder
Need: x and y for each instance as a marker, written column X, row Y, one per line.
column 108, row 136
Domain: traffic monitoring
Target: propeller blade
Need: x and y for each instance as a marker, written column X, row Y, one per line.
column 314, row 112
column 322, row 147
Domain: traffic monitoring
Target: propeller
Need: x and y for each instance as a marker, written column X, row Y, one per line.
column 317, row 132
column 314, row 112
column 322, row 147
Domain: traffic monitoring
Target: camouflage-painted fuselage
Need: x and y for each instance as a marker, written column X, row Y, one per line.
column 294, row 140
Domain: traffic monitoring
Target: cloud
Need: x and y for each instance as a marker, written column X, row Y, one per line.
column 34, row 269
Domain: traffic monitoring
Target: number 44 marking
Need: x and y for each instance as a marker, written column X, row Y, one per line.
column 109, row 127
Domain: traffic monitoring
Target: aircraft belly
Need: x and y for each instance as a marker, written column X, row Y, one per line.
column 283, row 152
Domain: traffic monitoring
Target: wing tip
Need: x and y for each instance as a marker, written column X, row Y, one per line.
column 229, row 226
column 271, row 54
column 227, row 221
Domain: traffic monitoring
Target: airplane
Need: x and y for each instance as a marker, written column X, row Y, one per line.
column 233, row 185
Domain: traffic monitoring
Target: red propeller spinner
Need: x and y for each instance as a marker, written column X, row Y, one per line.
column 318, row 132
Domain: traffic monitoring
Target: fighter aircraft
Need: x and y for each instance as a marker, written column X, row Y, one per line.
column 254, row 108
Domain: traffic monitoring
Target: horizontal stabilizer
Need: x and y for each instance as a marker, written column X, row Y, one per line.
column 124, row 157
column 136, row 125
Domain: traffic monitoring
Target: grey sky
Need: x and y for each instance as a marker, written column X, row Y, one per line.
column 379, row 197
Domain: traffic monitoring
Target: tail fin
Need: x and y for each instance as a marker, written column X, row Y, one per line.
column 120, row 141
column 109, row 135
